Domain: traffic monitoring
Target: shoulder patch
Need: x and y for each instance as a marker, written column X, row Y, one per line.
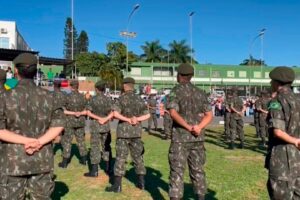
column 275, row 105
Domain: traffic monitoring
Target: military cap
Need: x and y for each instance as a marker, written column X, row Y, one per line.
column 2, row 74
column 185, row 69
column 100, row 84
column 282, row 74
column 26, row 59
column 74, row 83
column 128, row 80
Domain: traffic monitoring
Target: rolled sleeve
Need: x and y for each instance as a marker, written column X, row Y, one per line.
column 277, row 119
column 173, row 104
column 58, row 119
column 206, row 104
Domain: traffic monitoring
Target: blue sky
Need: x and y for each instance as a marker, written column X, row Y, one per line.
column 223, row 30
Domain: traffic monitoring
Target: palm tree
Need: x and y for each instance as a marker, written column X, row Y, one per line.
column 153, row 51
column 179, row 51
column 253, row 62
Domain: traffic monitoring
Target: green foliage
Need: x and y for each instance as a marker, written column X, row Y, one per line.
column 253, row 62
column 179, row 52
column 68, row 39
column 83, row 42
column 89, row 64
column 153, row 52
column 112, row 75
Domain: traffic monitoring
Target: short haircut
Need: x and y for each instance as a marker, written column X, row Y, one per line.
column 27, row 71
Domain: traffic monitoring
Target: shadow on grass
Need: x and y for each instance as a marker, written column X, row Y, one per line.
column 60, row 190
column 154, row 184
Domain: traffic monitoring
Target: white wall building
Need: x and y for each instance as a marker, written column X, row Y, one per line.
column 10, row 38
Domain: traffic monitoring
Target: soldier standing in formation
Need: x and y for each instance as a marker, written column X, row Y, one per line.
column 191, row 112
column 236, row 121
column 130, row 109
column 283, row 158
column 262, row 109
column 152, row 109
column 256, row 115
column 28, row 111
column 227, row 114
column 100, row 110
column 75, row 122
column 167, row 120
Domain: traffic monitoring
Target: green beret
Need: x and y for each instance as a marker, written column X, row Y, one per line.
column 100, row 84
column 185, row 69
column 128, row 80
column 2, row 75
column 74, row 83
column 26, row 59
column 282, row 74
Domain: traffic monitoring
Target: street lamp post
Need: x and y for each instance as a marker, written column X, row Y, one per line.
column 128, row 34
column 191, row 34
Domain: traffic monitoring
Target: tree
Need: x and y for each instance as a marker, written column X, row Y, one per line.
column 89, row 64
column 112, row 75
column 179, row 52
column 253, row 62
column 68, row 39
column 153, row 52
column 82, row 42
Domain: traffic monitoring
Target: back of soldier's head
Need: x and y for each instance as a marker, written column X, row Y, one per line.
column 26, row 64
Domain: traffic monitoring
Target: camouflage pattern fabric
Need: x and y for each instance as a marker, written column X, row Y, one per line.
column 236, row 121
column 227, row 118
column 283, row 160
column 181, row 153
column 256, row 117
column 100, row 134
column 129, row 136
column 168, row 122
column 153, row 118
column 129, row 105
column 100, row 147
column 136, row 148
column 27, row 110
column 40, row 186
column 263, row 126
column 74, row 125
column 191, row 103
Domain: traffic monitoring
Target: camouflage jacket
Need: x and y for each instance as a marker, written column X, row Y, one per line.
column 100, row 105
column 129, row 105
column 236, row 103
column 75, row 102
column 60, row 98
column 227, row 103
column 30, row 111
column 191, row 103
column 152, row 103
column 283, row 160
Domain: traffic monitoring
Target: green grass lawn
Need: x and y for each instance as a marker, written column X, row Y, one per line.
column 231, row 174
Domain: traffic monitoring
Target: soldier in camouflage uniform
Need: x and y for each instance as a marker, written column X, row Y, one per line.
column 191, row 112
column 262, row 109
column 256, row 115
column 283, row 158
column 130, row 109
column 28, row 111
column 236, row 121
column 229, row 95
column 75, row 121
column 167, row 120
column 100, row 110
column 152, row 109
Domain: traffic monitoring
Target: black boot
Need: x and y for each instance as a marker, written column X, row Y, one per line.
column 83, row 160
column 93, row 172
column 141, row 182
column 231, row 145
column 64, row 163
column 108, row 167
column 117, row 186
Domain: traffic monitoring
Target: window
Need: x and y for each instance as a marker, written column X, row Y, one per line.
column 203, row 73
column 242, row 74
column 267, row 74
column 136, row 71
column 230, row 74
column 215, row 74
column 257, row 74
column 4, row 42
column 162, row 71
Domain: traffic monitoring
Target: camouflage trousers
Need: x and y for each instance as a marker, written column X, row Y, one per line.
column 236, row 127
column 39, row 187
column 227, row 125
column 263, row 127
column 256, row 123
column 136, row 148
column 153, row 118
column 67, row 138
column 168, row 125
column 181, row 153
column 100, row 147
column 284, row 190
